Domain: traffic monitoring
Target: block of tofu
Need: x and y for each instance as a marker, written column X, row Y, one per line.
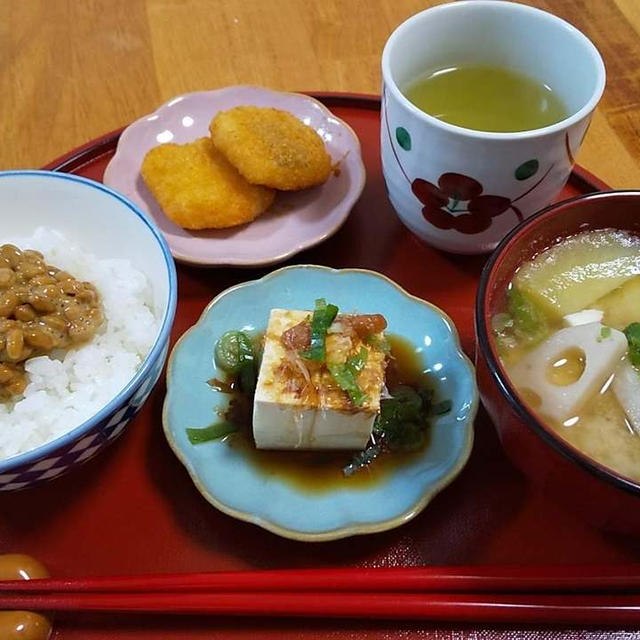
column 300, row 406
column 587, row 316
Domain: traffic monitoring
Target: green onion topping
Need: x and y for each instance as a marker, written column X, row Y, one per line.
column 234, row 354
column 605, row 333
column 323, row 316
column 633, row 338
column 234, row 351
column 346, row 375
column 212, row 432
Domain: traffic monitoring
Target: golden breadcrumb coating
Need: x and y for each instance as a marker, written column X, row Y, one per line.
column 197, row 188
column 271, row 147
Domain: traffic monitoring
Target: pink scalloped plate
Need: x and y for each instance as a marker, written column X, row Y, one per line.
column 296, row 220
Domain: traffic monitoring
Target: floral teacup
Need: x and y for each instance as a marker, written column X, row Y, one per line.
column 459, row 189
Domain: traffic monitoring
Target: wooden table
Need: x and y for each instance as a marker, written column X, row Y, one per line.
column 71, row 70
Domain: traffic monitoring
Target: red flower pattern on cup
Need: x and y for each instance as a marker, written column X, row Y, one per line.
column 457, row 202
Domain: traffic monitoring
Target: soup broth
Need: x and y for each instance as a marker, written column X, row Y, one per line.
column 569, row 339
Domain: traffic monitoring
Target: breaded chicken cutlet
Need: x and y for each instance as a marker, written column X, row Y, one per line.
column 197, row 187
column 271, row 147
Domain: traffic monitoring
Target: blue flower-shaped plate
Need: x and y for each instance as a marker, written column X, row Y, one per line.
column 227, row 479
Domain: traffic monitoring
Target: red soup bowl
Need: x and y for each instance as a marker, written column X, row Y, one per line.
column 599, row 494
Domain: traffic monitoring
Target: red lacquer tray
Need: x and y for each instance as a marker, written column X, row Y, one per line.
column 134, row 509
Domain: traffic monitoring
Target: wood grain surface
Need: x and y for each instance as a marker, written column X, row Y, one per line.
column 71, row 70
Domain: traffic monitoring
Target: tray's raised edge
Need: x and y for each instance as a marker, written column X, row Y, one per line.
column 80, row 156
column 74, row 160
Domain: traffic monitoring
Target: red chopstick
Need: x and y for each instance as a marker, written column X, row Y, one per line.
column 448, row 579
column 480, row 608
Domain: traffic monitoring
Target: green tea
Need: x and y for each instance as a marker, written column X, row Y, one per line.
column 486, row 98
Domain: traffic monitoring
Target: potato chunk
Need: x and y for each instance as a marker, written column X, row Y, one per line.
column 622, row 306
column 575, row 273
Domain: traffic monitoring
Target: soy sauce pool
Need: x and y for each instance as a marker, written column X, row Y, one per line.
column 321, row 471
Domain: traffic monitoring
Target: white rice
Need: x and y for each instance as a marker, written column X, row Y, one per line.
column 63, row 392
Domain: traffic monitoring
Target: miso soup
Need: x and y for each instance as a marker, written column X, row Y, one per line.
column 569, row 339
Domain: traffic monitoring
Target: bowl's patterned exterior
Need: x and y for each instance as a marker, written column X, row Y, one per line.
column 87, row 444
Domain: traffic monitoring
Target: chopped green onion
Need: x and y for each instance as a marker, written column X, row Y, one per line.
column 401, row 425
column 234, row 354
column 346, row 375
column 362, row 459
column 404, row 418
column 401, row 418
column 321, row 320
column 633, row 338
column 212, row 432
column 356, row 363
column 440, row 408
column 529, row 321
column 380, row 344
column 234, row 351
column 248, row 378
column 427, row 398
column 409, row 437
column 605, row 333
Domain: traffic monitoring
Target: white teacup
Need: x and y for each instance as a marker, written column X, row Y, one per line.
column 459, row 189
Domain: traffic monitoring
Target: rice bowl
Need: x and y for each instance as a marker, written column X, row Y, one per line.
column 66, row 389
column 103, row 223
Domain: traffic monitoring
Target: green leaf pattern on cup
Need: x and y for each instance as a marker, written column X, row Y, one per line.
column 403, row 138
column 527, row 169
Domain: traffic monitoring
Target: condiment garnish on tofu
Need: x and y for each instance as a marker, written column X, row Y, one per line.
column 321, row 385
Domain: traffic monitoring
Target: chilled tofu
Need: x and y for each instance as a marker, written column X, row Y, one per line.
column 300, row 406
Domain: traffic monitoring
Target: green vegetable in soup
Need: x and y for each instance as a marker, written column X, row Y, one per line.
column 633, row 338
column 605, row 333
column 323, row 316
column 530, row 323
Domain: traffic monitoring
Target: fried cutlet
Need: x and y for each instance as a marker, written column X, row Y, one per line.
column 271, row 147
column 198, row 188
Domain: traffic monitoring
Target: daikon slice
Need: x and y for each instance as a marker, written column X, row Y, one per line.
column 626, row 386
